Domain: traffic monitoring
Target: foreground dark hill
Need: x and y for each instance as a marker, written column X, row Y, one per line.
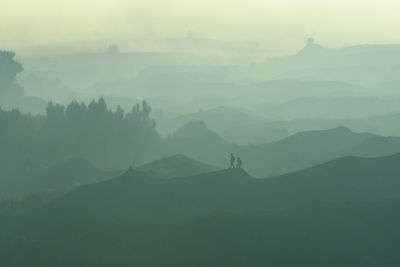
column 176, row 166
column 341, row 213
column 32, row 177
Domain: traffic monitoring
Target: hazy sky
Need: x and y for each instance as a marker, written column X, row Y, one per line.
column 31, row 25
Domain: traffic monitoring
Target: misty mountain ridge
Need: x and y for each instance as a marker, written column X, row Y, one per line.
column 386, row 125
column 219, row 119
column 176, row 166
column 351, row 71
column 288, row 154
column 367, row 65
column 59, row 136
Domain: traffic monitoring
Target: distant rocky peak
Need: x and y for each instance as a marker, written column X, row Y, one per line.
column 311, row 47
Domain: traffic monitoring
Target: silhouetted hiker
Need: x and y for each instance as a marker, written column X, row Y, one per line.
column 232, row 162
column 239, row 163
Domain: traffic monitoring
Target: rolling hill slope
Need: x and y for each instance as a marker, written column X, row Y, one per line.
column 32, row 177
column 176, row 166
column 289, row 154
column 343, row 212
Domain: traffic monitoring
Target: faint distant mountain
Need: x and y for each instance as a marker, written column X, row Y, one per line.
column 222, row 118
column 161, row 77
column 200, row 79
column 388, row 125
column 262, row 134
column 176, row 166
column 368, row 65
column 312, row 49
column 275, row 97
column 355, row 107
column 64, row 72
column 289, row 89
column 219, row 51
column 221, row 218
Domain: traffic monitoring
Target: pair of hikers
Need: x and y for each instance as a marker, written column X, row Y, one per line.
column 238, row 164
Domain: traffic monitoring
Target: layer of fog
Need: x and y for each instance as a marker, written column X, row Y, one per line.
column 221, row 79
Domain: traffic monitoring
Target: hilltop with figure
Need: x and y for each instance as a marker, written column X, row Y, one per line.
column 232, row 162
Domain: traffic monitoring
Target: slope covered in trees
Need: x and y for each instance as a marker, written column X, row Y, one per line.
column 9, row 88
column 12, row 94
column 110, row 139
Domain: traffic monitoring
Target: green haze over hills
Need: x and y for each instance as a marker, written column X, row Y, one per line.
column 183, row 133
